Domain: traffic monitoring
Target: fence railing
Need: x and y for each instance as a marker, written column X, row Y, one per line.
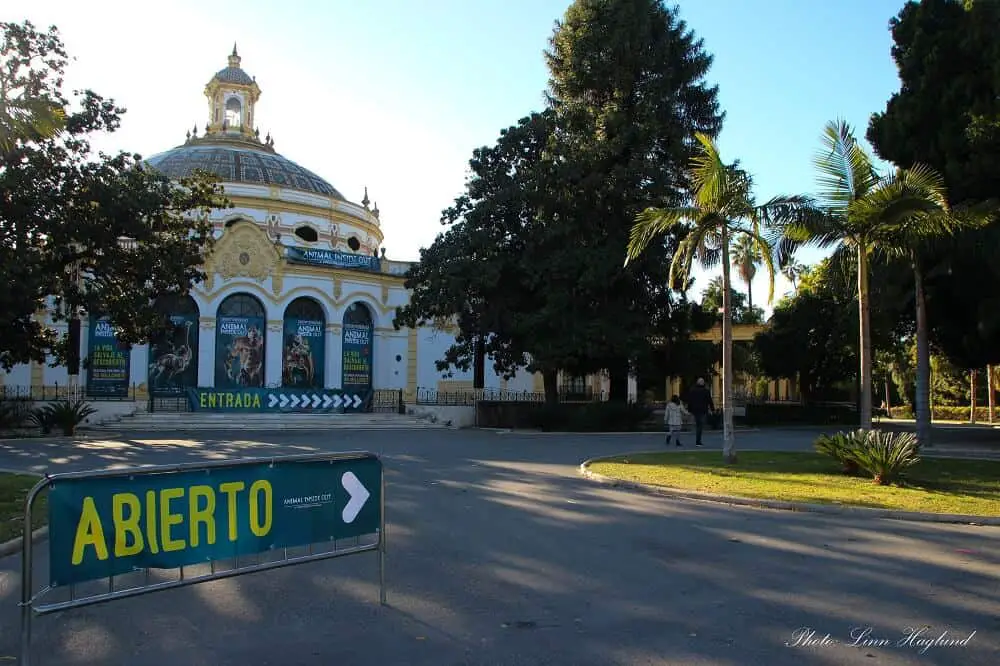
column 469, row 397
column 67, row 392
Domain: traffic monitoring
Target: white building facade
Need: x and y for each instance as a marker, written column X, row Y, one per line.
column 299, row 293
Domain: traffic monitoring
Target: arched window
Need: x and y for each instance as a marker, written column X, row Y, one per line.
column 173, row 349
column 240, row 330
column 357, row 314
column 307, row 234
column 303, row 356
column 234, row 112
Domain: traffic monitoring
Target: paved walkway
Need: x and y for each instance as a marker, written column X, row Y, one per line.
column 501, row 554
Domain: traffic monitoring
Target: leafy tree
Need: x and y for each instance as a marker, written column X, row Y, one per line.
column 627, row 85
column 480, row 273
column 947, row 115
column 96, row 233
column 31, row 105
column 711, row 302
column 794, row 272
column 722, row 207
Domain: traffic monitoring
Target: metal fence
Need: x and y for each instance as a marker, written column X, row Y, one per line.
column 469, row 397
column 65, row 392
column 388, row 401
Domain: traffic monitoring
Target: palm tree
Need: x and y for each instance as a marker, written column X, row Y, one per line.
column 26, row 114
column 869, row 213
column 793, row 272
column 745, row 257
column 721, row 206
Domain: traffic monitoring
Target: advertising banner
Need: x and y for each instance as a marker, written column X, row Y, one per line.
column 239, row 351
column 277, row 400
column 110, row 525
column 173, row 361
column 303, row 355
column 109, row 361
column 363, row 262
column 357, row 357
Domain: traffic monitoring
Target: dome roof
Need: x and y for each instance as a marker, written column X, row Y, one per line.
column 234, row 75
column 240, row 163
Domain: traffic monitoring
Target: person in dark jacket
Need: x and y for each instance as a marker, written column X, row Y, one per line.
column 699, row 403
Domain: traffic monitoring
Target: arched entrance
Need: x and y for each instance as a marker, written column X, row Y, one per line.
column 173, row 354
column 357, row 343
column 303, row 354
column 240, row 329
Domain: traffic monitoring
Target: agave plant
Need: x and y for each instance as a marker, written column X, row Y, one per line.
column 841, row 447
column 886, row 454
column 41, row 417
column 68, row 415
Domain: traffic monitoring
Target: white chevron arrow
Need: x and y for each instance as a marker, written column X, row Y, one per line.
column 316, row 400
column 336, row 400
column 327, row 401
column 272, row 400
column 284, row 400
column 358, row 494
column 295, row 400
column 357, row 401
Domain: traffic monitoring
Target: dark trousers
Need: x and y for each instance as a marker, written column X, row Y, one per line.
column 699, row 426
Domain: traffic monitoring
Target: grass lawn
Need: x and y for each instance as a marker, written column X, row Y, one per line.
column 934, row 485
column 13, row 491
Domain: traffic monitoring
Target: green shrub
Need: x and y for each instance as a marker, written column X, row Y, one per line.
column 885, row 455
column 68, row 415
column 793, row 414
column 12, row 415
column 841, row 447
column 42, row 418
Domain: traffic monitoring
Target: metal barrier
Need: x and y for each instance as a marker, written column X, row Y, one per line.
column 119, row 524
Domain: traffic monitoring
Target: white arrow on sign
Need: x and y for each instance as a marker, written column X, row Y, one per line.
column 316, row 400
column 358, row 493
column 295, row 400
column 327, row 400
column 357, row 401
column 272, row 400
column 336, row 400
column 284, row 400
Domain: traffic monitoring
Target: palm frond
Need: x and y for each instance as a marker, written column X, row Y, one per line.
column 766, row 253
column 846, row 172
column 29, row 119
column 709, row 175
column 651, row 223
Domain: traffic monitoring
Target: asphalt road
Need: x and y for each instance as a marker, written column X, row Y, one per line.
column 500, row 554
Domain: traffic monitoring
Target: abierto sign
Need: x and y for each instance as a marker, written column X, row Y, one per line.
column 103, row 526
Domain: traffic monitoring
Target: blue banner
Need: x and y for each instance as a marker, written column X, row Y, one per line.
column 277, row 400
column 303, row 353
column 357, row 357
column 109, row 361
column 111, row 525
column 362, row 262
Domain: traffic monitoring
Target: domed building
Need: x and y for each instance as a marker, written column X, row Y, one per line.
column 299, row 294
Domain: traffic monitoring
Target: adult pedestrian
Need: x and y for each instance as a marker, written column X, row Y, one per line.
column 699, row 403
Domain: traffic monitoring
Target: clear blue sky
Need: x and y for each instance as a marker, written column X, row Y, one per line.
column 395, row 94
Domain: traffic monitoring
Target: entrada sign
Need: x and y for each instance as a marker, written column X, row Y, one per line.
column 110, row 525
column 276, row 400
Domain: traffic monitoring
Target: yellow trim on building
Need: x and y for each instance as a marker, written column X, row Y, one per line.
column 411, row 365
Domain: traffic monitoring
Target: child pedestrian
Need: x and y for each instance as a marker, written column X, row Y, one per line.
column 673, row 419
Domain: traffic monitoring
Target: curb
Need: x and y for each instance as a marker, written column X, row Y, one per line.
column 648, row 433
column 14, row 545
column 800, row 507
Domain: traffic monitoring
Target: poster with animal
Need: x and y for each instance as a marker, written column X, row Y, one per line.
column 173, row 358
column 303, row 355
column 239, row 352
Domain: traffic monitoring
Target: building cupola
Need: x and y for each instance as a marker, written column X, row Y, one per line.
column 232, row 94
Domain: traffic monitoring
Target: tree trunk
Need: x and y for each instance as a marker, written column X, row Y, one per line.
column 618, row 373
column 922, row 398
column 750, row 297
column 888, row 400
column 865, row 379
column 990, row 396
column 550, row 382
column 972, row 394
column 728, row 438
column 479, row 363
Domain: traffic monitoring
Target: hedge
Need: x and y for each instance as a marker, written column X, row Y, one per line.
column 771, row 414
column 947, row 413
column 563, row 417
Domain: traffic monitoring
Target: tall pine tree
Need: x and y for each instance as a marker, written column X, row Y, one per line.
column 627, row 85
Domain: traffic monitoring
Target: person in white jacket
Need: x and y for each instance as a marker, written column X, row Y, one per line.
column 673, row 419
